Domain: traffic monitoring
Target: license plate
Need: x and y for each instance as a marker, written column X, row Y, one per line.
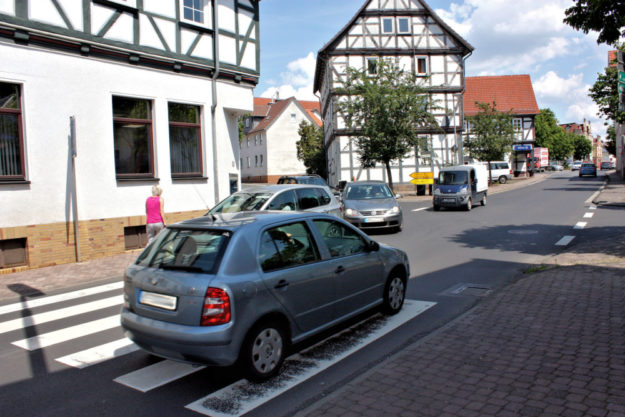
column 166, row 302
column 374, row 220
column 449, row 200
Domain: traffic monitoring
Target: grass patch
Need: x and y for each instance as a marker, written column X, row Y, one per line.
column 537, row 268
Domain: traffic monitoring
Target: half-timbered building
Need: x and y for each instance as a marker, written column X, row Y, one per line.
column 410, row 34
column 102, row 99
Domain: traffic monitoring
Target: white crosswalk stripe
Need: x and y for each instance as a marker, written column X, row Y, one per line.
column 159, row 374
column 40, row 302
column 99, row 354
column 68, row 333
column 49, row 316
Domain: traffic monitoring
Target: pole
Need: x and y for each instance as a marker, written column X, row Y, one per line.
column 72, row 124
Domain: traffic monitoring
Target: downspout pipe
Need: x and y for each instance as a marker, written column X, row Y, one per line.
column 464, row 80
column 214, row 98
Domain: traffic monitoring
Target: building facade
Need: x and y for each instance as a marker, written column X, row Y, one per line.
column 410, row 34
column 102, row 99
column 268, row 149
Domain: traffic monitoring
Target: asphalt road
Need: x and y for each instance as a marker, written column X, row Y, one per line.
column 457, row 258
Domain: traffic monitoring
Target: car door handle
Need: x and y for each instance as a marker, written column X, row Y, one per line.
column 339, row 270
column 281, row 284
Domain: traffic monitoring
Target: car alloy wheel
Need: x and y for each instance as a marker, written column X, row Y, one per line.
column 483, row 202
column 469, row 205
column 394, row 294
column 265, row 351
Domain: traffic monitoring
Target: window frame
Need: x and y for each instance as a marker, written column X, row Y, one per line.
column 406, row 32
column 18, row 113
column 383, row 28
column 197, row 126
column 206, row 10
column 417, row 58
column 344, row 228
column 147, row 122
column 369, row 60
column 314, row 245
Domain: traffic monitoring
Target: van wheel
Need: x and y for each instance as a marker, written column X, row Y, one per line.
column 264, row 351
column 503, row 179
column 469, row 205
column 483, row 202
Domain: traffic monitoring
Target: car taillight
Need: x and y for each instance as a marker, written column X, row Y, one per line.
column 216, row 309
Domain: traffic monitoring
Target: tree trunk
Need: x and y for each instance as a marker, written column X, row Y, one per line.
column 387, row 164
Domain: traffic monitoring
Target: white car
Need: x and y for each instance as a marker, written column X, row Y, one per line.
column 576, row 165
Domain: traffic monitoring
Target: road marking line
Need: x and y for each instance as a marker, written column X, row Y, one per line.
column 38, row 302
column 62, row 313
column 588, row 215
column 565, row 240
column 580, row 225
column 421, row 209
column 154, row 376
column 242, row 396
column 69, row 333
column 592, row 208
column 99, row 354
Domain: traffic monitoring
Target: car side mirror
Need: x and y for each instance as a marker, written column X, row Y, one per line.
column 373, row 246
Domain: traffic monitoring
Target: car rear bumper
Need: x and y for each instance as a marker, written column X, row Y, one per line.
column 212, row 345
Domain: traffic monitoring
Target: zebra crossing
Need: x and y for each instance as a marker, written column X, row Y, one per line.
column 164, row 372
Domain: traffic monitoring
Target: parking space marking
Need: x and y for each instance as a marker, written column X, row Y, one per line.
column 580, row 225
column 156, row 375
column 565, row 240
column 62, row 313
column 99, row 354
column 68, row 333
column 243, row 396
column 39, row 302
column 588, row 215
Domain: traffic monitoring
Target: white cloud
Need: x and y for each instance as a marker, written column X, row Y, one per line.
column 297, row 81
column 552, row 86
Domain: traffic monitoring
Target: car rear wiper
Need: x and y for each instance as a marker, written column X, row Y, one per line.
column 187, row 268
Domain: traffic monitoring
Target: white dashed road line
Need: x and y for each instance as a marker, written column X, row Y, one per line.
column 580, row 225
column 421, row 209
column 159, row 374
column 565, row 240
column 99, row 354
column 588, row 215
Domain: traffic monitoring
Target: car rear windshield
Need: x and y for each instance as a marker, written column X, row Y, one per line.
column 186, row 250
column 588, row 165
column 453, row 178
column 241, row 201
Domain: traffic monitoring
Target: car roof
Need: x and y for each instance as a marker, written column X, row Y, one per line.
column 231, row 221
column 274, row 188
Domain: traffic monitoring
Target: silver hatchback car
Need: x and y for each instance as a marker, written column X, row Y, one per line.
column 246, row 286
column 371, row 205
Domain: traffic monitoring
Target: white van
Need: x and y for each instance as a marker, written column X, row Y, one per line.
column 461, row 186
column 500, row 171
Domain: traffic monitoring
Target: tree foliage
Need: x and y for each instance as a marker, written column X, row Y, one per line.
column 610, row 144
column 491, row 133
column 385, row 111
column 604, row 16
column 310, row 149
column 583, row 146
column 604, row 92
column 550, row 135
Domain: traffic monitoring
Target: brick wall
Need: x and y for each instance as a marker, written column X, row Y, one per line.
column 53, row 244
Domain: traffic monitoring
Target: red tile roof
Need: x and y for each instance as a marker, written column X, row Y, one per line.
column 311, row 107
column 271, row 110
column 612, row 58
column 512, row 93
column 261, row 106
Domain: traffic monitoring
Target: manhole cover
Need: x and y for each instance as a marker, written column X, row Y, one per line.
column 523, row 232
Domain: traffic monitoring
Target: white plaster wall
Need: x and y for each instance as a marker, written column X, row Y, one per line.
column 57, row 86
column 281, row 143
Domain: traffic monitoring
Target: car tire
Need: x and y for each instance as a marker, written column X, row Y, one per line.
column 436, row 207
column 469, row 205
column 503, row 179
column 264, row 351
column 394, row 294
column 483, row 202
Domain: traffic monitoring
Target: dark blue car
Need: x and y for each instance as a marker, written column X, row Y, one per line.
column 588, row 169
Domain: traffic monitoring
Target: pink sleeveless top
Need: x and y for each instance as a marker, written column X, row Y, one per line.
column 153, row 210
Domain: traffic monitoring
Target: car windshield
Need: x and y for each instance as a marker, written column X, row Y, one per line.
column 186, row 250
column 453, row 178
column 588, row 166
column 367, row 192
column 241, row 201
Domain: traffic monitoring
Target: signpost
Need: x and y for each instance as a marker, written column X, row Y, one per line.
column 422, row 178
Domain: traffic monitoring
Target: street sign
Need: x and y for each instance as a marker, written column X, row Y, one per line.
column 422, row 181
column 621, row 77
column 522, row 148
column 421, row 175
column 621, row 88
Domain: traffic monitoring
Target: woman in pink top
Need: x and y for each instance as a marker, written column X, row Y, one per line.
column 155, row 216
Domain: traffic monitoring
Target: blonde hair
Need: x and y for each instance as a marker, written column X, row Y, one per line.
column 156, row 190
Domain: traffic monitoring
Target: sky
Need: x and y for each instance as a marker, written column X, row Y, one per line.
column 509, row 37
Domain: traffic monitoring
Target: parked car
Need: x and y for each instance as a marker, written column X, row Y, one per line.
column 607, row 165
column 554, row 166
column 302, row 179
column 371, row 205
column 500, row 171
column 588, row 168
column 576, row 165
column 247, row 286
column 284, row 197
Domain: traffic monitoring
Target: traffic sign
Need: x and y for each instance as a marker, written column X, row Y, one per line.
column 621, row 77
column 421, row 175
column 422, row 181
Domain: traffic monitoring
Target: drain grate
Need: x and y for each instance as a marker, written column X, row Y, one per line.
column 474, row 290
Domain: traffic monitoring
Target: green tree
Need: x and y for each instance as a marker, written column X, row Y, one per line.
column 604, row 92
column 310, row 149
column 604, row 16
column 491, row 133
column 583, row 147
column 386, row 110
column 550, row 135
column 561, row 147
column 610, row 145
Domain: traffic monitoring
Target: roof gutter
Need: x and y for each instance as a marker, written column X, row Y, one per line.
column 214, row 99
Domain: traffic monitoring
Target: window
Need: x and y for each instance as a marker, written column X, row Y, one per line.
column 260, row 139
column 256, row 140
column 340, row 240
column 261, row 160
column 308, row 198
column 132, row 121
column 185, row 139
column 293, row 118
column 13, row 253
column 372, row 66
column 255, row 160
column 135, row 237
column 387, row 25
column 517, row 125
column 403, row 25
column 11, row 140
column 193, row 10
column 421, row 65
column 287, row 246
column 283, row 201
column 248, row 161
